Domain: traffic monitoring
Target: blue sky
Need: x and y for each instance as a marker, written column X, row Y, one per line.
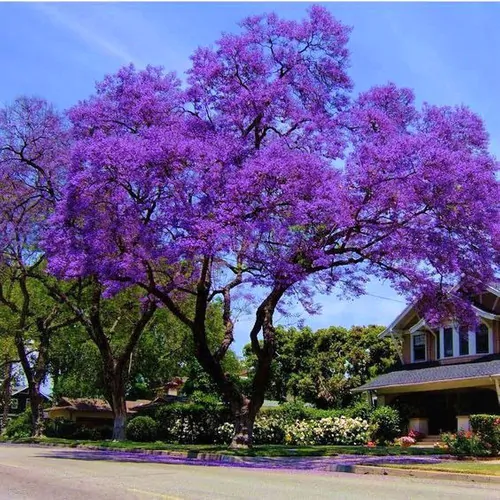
column 446, row 52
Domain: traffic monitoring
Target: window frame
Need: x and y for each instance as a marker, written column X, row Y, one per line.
column 412, row 350
column 471, row 341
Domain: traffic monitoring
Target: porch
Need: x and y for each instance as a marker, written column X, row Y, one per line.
column 435, row 412
column 436, row 398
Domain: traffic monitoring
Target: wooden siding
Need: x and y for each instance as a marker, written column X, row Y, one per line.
column 406, row 349
column 496, row 337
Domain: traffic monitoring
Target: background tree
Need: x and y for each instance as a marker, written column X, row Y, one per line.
column 323, row 367
column 115, row 327
column 8, row 377
column 33, row 151
column 163, row 352
column 264, row 175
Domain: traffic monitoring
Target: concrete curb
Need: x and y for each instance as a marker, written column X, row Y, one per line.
column 380, row 470
column 216, row 457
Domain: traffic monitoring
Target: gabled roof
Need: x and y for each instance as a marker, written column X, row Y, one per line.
column 21, row 389
column 486, row 366
column 94, row 404
column 408, row 311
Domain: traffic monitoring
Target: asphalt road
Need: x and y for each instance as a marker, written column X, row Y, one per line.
column 37, row 473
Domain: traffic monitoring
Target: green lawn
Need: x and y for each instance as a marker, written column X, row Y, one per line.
column 474, row 467
column 258, row 450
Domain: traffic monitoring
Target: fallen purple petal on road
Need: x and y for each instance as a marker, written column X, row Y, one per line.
column 293, row 463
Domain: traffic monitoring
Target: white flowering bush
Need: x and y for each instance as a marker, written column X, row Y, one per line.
column 341, row 430
column 224, row 433
column 330, row 430
column 269, row 429
column 300, row 432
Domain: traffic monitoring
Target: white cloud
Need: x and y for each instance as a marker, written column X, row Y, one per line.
column 88, row 32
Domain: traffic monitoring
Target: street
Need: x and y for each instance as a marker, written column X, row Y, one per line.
column 37, row 473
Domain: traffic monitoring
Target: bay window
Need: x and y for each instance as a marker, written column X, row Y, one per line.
column 463, row 341
column 482, row 339
column 448, row 342
column 455, row 341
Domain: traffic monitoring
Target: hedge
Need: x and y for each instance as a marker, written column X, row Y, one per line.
column 487, row 427
column 143, row 429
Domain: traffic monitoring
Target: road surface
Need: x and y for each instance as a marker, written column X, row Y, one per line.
column 36, row 473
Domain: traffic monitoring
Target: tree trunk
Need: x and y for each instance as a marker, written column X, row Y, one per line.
column 117, row 389
column 244, row 420
column 36, row 404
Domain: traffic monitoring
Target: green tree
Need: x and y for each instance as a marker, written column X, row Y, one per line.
column 323, row 367
column 31, row 317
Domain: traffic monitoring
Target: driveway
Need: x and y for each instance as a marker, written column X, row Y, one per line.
column 55, row 473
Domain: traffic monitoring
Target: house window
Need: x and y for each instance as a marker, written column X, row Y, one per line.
column 448, row 342
column 482, row 339
column 419, row 347
column 463, row 341
column 14, row 404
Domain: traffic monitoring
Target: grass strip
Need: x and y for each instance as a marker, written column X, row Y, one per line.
column 460, row 467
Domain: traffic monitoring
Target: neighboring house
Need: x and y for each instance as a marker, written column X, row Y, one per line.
column 172, row 388
column 90, row 412
column 20, row 400
column 448, row 373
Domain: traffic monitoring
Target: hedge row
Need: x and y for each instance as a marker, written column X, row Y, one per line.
column 483, row 440
column 207, row 422
column 197, row 423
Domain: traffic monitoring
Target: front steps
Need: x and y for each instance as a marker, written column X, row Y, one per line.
column 429, row 441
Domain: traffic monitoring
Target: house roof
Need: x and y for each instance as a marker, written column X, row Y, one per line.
column 24, row 388
column 94, row 404
column 161, row 400
column 486, row 366
column 409, row 311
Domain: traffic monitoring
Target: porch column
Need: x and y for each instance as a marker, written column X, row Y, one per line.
column 463, row 423
column 497, row 387
column 420, row 425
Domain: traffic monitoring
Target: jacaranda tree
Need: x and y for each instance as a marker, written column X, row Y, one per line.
column 34, row 148
column 264, row 180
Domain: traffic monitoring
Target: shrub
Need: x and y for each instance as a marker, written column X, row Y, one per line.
column 60, row 428
column 269, row 429
column 386, row 424
column 142, row 429
column 341, row 431
column 190, row 423
column 68, row 429
column 362, row 409
column 19, row 427
column 405, row 441
column 487, row 427
column 464, row 444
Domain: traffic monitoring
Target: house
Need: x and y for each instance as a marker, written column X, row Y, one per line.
column 20, row 400
column 172, row 387
column 91, row 412
column 447, row 373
